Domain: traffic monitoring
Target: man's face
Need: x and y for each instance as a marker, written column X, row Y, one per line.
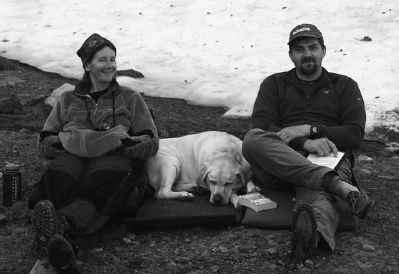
column 307, row 56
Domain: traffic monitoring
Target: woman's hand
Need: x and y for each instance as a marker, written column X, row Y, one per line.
column 134, row 140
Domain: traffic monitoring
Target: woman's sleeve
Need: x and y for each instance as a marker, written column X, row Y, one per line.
column 142, row 124
column 48, row 141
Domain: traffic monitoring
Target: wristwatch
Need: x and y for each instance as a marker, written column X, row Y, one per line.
column 313, row 131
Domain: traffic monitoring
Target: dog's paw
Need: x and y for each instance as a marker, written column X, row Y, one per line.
column 252, row 188
column 187, row 196
column 234, row 200
column 255, row 189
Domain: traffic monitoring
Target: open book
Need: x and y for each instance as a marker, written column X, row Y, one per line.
column 256, row 201
column 329, row 161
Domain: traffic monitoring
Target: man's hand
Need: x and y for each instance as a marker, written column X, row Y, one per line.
column 322, row 146
column 289, row 133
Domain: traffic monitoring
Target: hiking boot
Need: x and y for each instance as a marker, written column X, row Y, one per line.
column 304, row 234
column 47, row 222
column 61, row 255
column 360, row 203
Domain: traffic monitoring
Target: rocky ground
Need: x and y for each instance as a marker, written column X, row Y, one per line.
column 228, row 249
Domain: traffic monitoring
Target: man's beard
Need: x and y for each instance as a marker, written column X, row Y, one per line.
column 308, row 66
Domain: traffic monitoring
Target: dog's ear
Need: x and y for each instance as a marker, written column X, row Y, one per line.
column 241, row 177
column 202, row 175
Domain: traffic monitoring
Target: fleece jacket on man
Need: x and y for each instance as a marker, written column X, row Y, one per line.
column 334, row 104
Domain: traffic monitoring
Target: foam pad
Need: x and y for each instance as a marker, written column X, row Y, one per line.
column 281, row 217
column 156, row 213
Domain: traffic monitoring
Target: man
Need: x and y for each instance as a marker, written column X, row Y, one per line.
column 308, row 110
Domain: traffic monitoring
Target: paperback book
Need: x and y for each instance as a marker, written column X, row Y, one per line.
column 256, row 201
column 330, row 160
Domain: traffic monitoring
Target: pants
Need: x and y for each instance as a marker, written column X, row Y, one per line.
column 88, row 191
column 277, row 166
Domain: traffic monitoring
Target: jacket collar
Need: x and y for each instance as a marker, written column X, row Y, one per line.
column 291, row 78
column 83, row 90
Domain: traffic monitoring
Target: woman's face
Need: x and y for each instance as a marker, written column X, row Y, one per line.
column 102, row 68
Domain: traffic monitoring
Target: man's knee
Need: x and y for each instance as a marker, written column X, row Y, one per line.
column 250, row 141
column 257, row 140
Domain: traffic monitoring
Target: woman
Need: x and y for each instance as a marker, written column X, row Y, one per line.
column 97, row 137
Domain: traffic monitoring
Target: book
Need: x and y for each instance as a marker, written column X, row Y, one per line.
column 256, row 201
column 330, row 160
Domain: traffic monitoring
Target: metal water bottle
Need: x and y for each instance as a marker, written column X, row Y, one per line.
column 12, row 185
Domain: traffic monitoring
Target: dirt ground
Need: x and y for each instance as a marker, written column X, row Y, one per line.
column 373, row 248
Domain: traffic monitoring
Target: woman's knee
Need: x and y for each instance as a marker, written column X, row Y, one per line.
column 70, row 164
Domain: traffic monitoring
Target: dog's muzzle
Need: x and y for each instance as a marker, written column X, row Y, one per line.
column 218, row 199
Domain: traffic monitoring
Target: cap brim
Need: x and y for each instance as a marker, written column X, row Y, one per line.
column 304, row 35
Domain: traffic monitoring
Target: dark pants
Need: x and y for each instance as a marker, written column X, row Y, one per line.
column 277, row 166
column 88, row 191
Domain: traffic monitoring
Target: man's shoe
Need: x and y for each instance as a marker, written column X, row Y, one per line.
column 61, row 255
column 304, row 233
column 360, row 203
column 47, row 222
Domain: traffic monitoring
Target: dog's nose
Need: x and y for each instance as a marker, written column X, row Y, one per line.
column 217, row 199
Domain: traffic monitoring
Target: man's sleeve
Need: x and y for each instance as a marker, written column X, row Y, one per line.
column 350, row 133
column 265, row 111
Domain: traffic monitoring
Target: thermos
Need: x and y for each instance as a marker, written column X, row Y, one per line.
column 12, row 185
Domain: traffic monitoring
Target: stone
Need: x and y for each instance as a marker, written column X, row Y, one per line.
column 9, row 81
column 42, row 267
column 55, row 95
column 9, row 104
column 6, row 64
column 131, row 73
column 3, row 218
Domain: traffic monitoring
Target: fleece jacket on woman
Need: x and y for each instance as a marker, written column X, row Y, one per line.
column 89, row 129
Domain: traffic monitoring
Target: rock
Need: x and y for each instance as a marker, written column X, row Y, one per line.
column 127, row 240
column 365, row 171
column 10, row 81
column 6, row 64
column 3, row 218
column 215, row 269
column 9, row 103
column 205, row 255
column 361, row 158
column 42, row 267
column 223, row 249
column 368, row 247
column 131, row 73
column 271, row 251
column 55, row 95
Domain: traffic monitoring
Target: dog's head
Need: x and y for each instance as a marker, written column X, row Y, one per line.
column 223, row 176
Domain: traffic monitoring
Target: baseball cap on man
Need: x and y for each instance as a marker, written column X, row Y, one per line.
column 305, row 30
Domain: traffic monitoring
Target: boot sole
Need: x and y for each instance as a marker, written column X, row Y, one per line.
column 43, row 218
column 304, row 230
column 60, row 253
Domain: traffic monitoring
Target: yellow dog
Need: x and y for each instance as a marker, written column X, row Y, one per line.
column 212, row 160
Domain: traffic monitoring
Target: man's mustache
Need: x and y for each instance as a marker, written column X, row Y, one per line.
column 307, row 60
